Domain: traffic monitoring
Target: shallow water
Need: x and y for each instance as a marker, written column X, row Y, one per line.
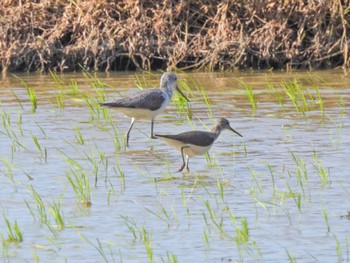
column 268, row 179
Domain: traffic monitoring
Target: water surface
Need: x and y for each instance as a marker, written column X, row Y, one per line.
column 269, row 179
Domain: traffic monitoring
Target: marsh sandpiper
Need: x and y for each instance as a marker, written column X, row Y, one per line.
column 148, row 103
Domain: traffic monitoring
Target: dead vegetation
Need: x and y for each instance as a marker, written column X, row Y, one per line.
column 211, row 35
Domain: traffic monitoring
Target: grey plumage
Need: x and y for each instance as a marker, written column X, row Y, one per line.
column 193, row 143
column 199, row 138
column 151, row 99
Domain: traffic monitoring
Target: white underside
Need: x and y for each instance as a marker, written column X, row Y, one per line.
column 191, row 150
column 144, row 113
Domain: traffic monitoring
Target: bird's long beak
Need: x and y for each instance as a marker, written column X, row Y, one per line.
column 183, row 95
column 236, row 132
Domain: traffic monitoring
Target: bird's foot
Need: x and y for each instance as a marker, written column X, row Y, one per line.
column 181, row 168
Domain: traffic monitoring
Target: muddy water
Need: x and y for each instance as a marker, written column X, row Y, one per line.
column 270, row 179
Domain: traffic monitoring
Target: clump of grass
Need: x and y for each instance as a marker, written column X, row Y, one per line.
column 191, row 84
column 78, row 136
column 338, row 249
column 60, row 84
column 59, row 99
column 242, row 233
column 9, row 169
column 57, row 214
column 321, row 170
column 118, row 171
column 291, row 258
column 94, row 164
column 325, row 216
column 32, row 98
column 147, row 240
column 71, row 87
column 119, row 139
column 81, row 185
column 96, row 83
column 296, row 198
column 300, row 170
column 253, row 174
column 163, row 214
column 294, row 91
column 217, row 221
column 14, row 232
column 131, row 225
column 98, row 247
column 304, row 98
column 250, row 94
column 40, row 212
column 278, row 94
column 42, row 150
column 170, row 258
column 30, row 92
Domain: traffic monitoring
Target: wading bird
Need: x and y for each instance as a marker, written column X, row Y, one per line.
column 194, row 143
column 148, row 103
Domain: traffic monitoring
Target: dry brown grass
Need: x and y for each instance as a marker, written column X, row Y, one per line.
column 119, row 35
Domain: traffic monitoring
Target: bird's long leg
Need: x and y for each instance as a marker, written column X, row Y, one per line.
column 152, row 124
column 183, row 158
column 128, row 132
column 188, row 161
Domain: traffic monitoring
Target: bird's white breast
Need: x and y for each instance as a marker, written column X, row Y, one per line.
column 190, row 150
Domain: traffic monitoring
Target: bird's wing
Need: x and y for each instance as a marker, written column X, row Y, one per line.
column 147, row 99
column 199, row 138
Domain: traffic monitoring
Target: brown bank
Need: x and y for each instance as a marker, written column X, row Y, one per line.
column 64, row 35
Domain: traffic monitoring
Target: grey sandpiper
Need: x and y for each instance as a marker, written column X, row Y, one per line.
column 194, row 143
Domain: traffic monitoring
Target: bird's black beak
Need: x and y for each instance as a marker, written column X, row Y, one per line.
column 236, row 132
column 183, row 95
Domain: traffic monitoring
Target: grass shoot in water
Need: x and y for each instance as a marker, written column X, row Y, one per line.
column 94, row 163
column 170, row 258
column 30, row 92
column 9, row 169
column 250, row 94
column 40, row 212
column 98, row 247
column 81, row 185
column 14, row 232
column 242, row 233
column 56, row 212
column 32, row 98
column 147, row 240
column 325, row 216
column 118, row 171
column 78, row 136
column 321, row 170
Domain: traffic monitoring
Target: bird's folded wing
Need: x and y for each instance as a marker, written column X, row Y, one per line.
column 199, row 138
column 148, row 99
